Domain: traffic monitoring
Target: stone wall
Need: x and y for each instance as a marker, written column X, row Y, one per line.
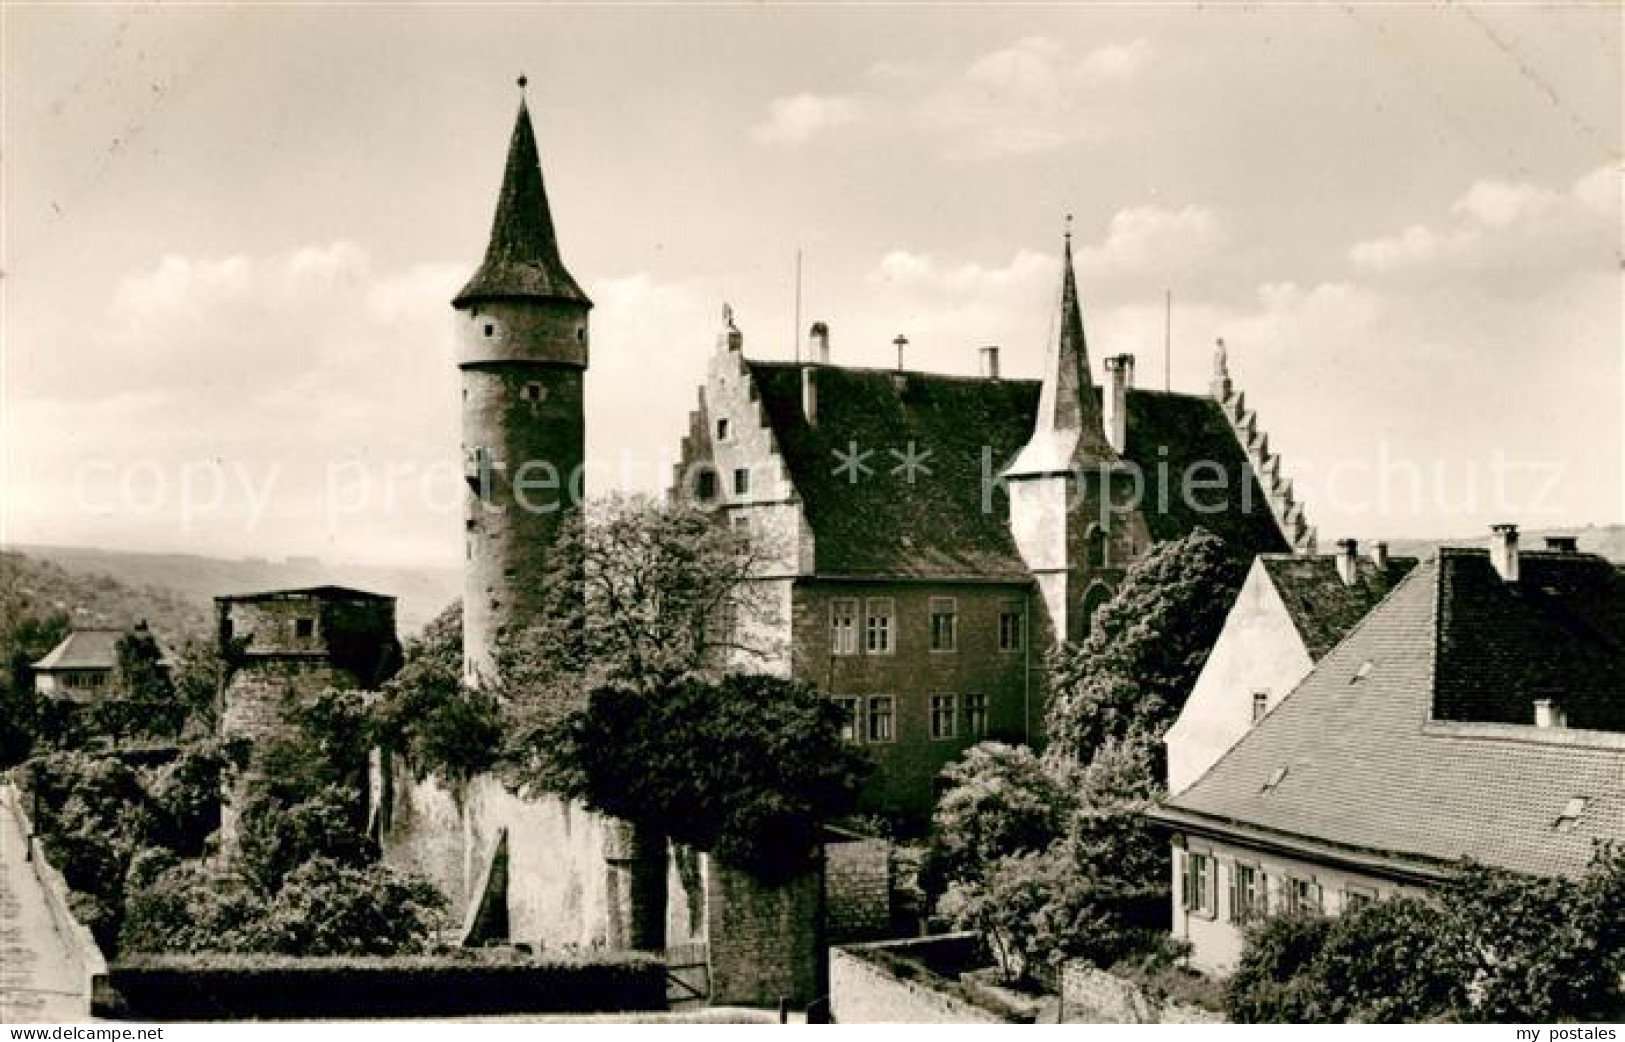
column 1093, row 996
column 558, row 882
column 863, row 990
column 857, row 890
column 765, row 940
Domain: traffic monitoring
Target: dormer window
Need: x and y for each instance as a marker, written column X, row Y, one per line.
column 1276, row 777
column 1361, row 673
column 1571, row 814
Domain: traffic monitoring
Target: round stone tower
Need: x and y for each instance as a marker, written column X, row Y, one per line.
column 522, row 349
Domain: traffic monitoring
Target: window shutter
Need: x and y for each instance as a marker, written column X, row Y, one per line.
column 1236, row 909
column 1185, row 890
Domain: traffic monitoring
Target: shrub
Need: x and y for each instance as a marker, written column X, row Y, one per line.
column 1000, row 801
column 463, row 984
column 274, row 839
column 1273, row 982
column 1393, row 962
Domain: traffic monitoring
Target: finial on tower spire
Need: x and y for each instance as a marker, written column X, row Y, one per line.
column 522, row 81
column 1069, row 229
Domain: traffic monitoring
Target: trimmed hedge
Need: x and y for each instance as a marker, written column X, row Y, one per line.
column 271, row 987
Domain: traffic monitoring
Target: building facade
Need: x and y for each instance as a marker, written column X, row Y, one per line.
column 1400, row 754
column 927, row 539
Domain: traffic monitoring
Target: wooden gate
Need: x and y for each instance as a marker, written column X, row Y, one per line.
column 688, row 976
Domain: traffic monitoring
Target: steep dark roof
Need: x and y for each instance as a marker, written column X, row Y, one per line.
column 1368, row 768
column 1322, row 607
column 522, row 259
column 938, row 527
column 1558, row 633
column 1067, row 429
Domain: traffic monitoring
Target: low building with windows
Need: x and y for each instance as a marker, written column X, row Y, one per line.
column 1290, row 611
column 79, row 670
column 928, row 538
column 1475, row 713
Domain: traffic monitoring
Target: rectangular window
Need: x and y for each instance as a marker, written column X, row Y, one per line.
column 1249, row 894
column 1303, row 896
column 849, row 717
column 705, row 485
column 742, row 481
column 944, row 716
column 1010, row 628
column 1358, row 897
column 843, row 626
column 1200, row 892
column 722, row 429
column 304, row 628
column 944, row 624
column 878, row 626
column 1261, row 705
column 976, row 716
column 741, row 524
column 882, row 710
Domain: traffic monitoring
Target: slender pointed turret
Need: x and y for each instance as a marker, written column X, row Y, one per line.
column 522, row 259
column 1067, row 432
column 522, row 346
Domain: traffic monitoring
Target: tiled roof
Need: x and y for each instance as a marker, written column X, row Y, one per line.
column 1368, row 769
column 84, row 649
column 938, row 527
column 1558, row 632
column 1322, row 606
column 522, row 258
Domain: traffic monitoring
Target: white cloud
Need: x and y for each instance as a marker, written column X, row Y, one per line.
column 1149, row 239
column 1507, row 237
column 1032, row 95
column 798, row 118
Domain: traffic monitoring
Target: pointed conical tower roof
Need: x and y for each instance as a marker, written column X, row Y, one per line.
column 522, row 259
column 1067, row 432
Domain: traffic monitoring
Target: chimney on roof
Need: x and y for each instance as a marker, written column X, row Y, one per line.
column 900, row 342
column 1563, row 544
column 1379, row 556
column 818, row 343
column 1548, row 714
column 1348, row 557
column 809, row 394
column 1114, row 411
column 1504, row 551
column 990, row 361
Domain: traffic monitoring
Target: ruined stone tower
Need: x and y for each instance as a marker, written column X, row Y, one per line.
column 522, row 348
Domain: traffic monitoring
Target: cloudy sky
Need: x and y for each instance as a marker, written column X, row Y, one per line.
column 231, row 234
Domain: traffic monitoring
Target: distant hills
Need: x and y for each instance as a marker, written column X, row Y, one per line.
column 182, row 587
column 1605, row 540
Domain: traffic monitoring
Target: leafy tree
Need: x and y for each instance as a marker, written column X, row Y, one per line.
column 999, row 801
column 747, row 767
column 1145, row 648
column 141, row 699
column 1273, row 981
column 428, row 713
column 1393, row 962
column 639, row 594
column 276, row 838
column 25, row 637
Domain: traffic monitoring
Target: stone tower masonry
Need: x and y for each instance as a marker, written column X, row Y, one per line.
column 522, row 348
